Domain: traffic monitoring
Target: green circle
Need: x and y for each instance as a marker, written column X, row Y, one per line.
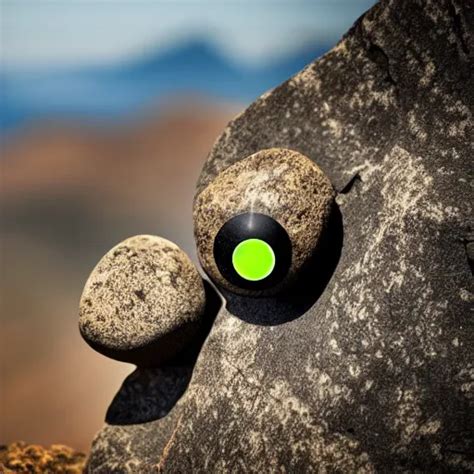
column 253, row 259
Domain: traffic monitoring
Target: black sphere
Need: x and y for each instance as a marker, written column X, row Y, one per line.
column 252, row 226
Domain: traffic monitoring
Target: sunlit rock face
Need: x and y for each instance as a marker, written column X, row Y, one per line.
column 377, row 374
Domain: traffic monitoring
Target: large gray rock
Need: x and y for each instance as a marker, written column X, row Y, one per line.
column 377, row 375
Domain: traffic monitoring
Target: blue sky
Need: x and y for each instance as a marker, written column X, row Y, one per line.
column 49, row 33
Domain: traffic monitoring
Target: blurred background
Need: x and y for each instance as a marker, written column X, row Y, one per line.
column 107, row 112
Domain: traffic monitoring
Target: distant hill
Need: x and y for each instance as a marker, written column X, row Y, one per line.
column 114, row 91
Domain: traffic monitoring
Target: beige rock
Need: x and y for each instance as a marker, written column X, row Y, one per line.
column 277, row 182
column 143, row 302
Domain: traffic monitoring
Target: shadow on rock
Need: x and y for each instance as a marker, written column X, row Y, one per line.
column 287, row 306
column 149, row 393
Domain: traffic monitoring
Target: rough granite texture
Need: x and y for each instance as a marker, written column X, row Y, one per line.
column 282, row 184
column 377, row 376
column 143, row 302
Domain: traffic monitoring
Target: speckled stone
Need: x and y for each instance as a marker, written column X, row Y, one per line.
column 377, row 376
column 143, row 302
column 280, row 183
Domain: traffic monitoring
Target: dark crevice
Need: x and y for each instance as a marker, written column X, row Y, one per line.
column 458, row 27
column 348, row 187
column 140, row 295
column 468, row 243
column 377, row 55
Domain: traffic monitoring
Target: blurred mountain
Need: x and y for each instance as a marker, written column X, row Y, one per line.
column 118, row 90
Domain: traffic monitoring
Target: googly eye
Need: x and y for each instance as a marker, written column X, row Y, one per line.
column 258, row 223
column 252, row 251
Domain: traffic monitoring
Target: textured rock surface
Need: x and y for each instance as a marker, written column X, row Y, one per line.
column 282, row 184
column 134, row 431
column 377, row 375
column 143, row 302
column 22, row 457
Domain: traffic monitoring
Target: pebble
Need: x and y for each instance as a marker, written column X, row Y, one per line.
column 143, row 302
column 280, row 183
